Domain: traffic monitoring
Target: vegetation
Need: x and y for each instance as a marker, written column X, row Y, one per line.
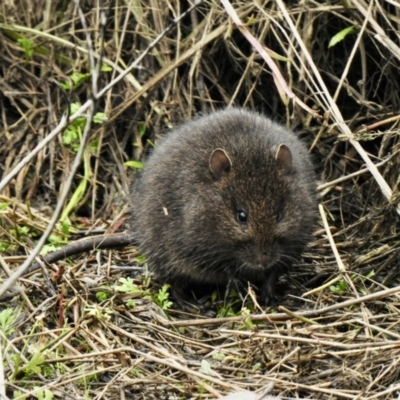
column 97, row 326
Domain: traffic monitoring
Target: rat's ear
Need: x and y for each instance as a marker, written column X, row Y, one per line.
column 284, row 158
column 220, row 163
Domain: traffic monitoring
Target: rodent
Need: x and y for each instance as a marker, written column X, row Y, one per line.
column 227, row 196
column 230, row 195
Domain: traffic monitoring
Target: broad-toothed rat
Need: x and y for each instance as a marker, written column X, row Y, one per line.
column 231, row 195
column 228, row 196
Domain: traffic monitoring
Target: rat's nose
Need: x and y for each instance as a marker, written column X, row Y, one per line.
column 264, row 259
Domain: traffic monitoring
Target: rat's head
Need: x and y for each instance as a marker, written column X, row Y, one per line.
column 252, row 212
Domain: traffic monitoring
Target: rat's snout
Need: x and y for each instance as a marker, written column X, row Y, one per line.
column 264, row 259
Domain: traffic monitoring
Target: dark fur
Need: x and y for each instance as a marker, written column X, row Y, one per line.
column 200, row 239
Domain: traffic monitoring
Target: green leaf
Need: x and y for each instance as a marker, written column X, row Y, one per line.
column 371, row 274
column 33, row 364
column 94, row 145
column 65, row 225
column 206, row 368
column 141, row 129
column 7, row 318
column 100, row 118
column 23, row 230
column 4, row 247
column 339, row 288
column 140, row 259
column 19, row 395
column 248, row 322
column 101, row 313
column 58, row 240
column 218, row 356
column 76, row 197
column 74, row 107
column 70, row 135
column 128, row 286
column 106, row 68
column 66, row 85
column 48, row 248
column 341, row 35
column 256, row 367
column 78, row 77
column 43, row 394
column 101, row 296
column 3, row 206
column 161, row 299
column 131, row 303
column 250, row 21
column 150, row 143
column 27, row 45
column 134, row 164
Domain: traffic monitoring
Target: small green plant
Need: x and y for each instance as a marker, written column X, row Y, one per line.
column 162, row 298
column 129, row 287
column 256, row 367
column 218, row 356
column 32, row 367
column 19, row 395
column 20, row 231
column 89, row 378
column 4, row 247
column 102, row 296
column 140, row 259
column 230, row 304
column 141, row 130
column 341, row 35
column 31, row 352
column 65, row 227
column 247, row 320
column 135, row 373
column 55, row 242
column 75, row 80
column 206, row 369
column 4, row 205
column 43, row 394
column 72, row 135
column 100, row 118
column 226, row 311
column 72, row 138
column 131, row 303
column 341, row 287
column 7, row 319
column 27, row 46
column 94, row 145
column 134, row 164
column 98, row 312
column 34, row 363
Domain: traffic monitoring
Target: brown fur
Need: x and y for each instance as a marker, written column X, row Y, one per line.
column 186, row 201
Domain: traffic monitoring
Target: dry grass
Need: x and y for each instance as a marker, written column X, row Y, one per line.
column 326, row 340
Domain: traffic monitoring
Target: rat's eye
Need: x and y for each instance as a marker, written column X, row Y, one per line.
column 279, row 216
column 241, row 216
